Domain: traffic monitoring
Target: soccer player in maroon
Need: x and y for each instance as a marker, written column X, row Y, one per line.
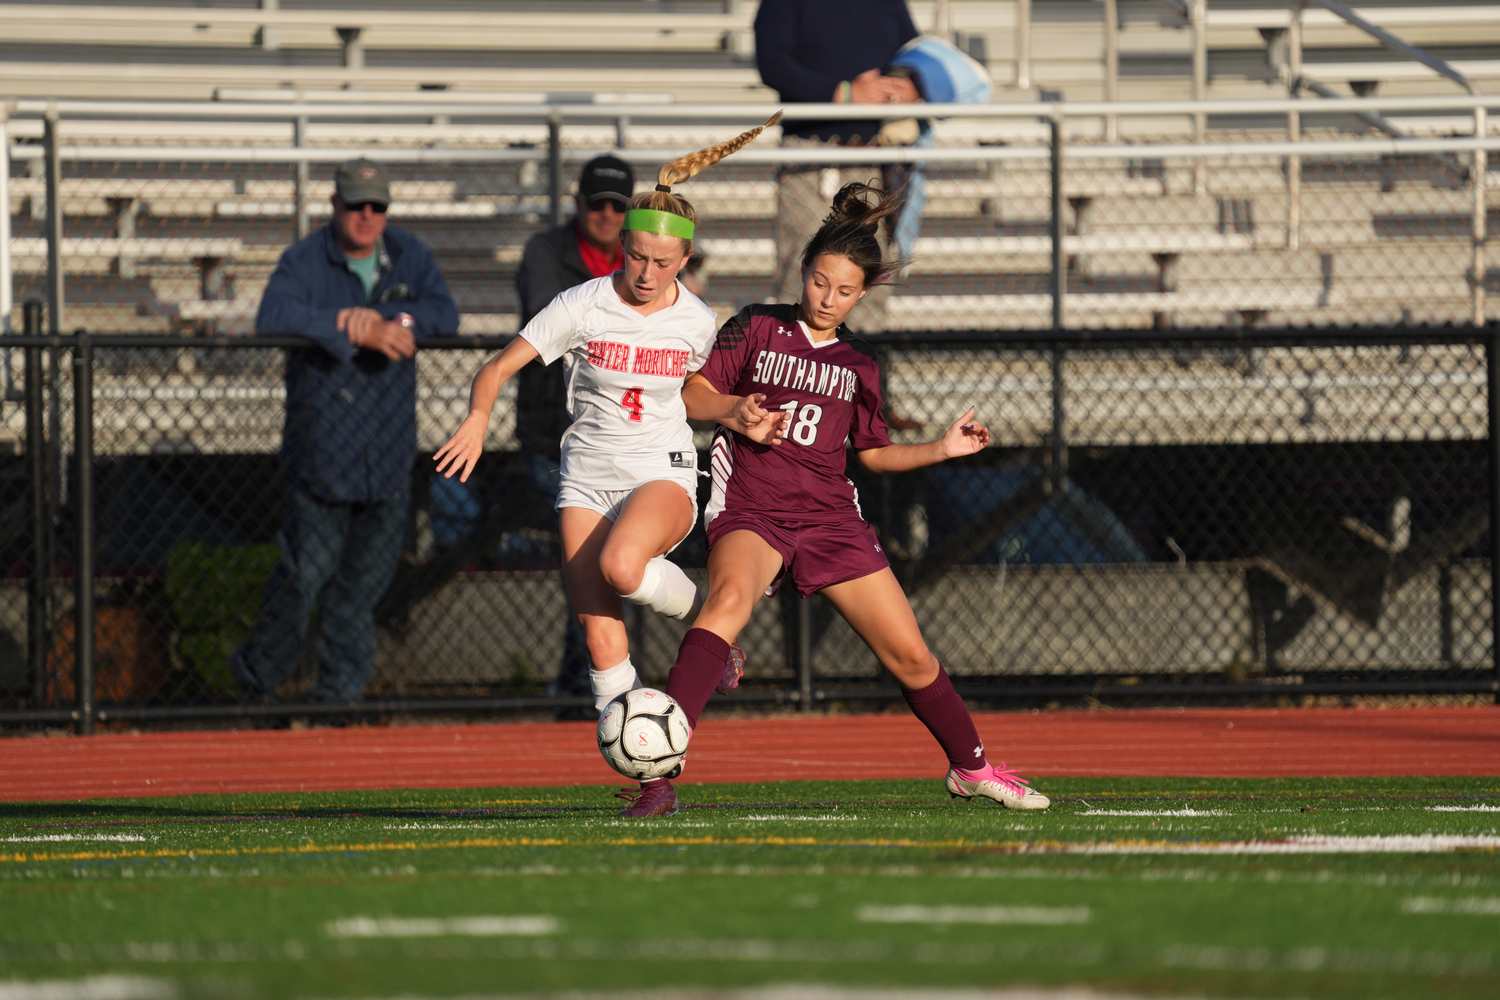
column 786, row 511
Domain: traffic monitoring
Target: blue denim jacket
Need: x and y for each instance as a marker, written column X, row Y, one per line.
column 351, row 427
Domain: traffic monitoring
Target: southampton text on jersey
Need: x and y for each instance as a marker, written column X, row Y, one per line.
column 805, row 375
column 615, row 357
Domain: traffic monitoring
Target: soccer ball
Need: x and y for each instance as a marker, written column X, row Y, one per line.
column 644, row 734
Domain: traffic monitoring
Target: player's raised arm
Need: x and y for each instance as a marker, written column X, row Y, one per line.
column 966, row 436
column 463, row 449
column 739, row 413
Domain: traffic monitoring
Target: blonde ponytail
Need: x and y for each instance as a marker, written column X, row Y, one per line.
column 687, row 166
column 680, row 169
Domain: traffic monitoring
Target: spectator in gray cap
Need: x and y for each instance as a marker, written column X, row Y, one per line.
column 555, row 260
column 365, row 294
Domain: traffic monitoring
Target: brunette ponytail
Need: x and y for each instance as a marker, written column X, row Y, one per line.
column 849, row 231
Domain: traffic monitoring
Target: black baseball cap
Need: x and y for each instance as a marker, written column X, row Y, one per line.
column 607, row 177
column 359, row 181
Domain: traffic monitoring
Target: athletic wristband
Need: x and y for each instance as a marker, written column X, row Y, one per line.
column 649, row 220
column 845, row 93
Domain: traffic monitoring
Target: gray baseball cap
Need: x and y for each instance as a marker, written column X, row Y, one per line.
column 359, row 181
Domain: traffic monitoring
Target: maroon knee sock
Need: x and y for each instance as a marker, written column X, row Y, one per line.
column 698, row 670
column 944, row 714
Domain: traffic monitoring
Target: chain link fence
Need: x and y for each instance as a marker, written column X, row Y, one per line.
column 1233, row 454
column 1308, row 512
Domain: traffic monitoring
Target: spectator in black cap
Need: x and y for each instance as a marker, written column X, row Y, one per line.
column 365, row 294
column 555, row 260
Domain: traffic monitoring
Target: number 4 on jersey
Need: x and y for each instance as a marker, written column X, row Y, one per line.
column 632, row 402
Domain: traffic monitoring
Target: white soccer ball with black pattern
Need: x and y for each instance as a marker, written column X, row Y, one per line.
column 644, row 734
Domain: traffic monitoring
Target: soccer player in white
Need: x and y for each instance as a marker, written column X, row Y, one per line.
column 629, row 467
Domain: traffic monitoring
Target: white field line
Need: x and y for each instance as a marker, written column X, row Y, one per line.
column 797, row 819
column 91, row 988
column 1425, row 843
column 981, row 953
column 1154, row 812
column 834, row 993
column 59, row 837
column 1464, row 809
column 974, row 914
column 402, row 927
column 1471, row 907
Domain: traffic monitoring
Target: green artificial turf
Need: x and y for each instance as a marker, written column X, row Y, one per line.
column 1129, row 885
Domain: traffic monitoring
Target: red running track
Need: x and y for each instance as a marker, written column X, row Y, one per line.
column 1158, row 743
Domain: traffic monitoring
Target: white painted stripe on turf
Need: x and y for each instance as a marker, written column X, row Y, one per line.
column 974, row 914
column 1425, row 843
column 1155, row 812
column 51, row 838
column 402, row 927
column 1464, row 809
column 92, row 988
column 836, row 993
column 794, row 819
column 1473, row 906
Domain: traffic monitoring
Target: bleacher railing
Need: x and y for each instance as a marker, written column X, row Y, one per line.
column 170, row 215
column 1239, row 453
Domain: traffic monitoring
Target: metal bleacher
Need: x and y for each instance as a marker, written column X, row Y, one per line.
column 461, row 94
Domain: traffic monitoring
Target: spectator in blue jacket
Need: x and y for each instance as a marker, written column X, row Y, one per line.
column 365, row 294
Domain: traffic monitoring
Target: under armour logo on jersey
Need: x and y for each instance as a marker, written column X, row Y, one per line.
column 979, row 750
column 877, row 546
column 783, row 331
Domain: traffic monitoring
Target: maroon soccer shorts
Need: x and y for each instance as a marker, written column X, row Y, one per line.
column 813, row 555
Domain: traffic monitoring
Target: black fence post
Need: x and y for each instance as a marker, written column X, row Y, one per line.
column 1059, row 230
column 1058, row 479
column 54, row 224
column 301, row 220
column 83, row 556
column 554, row 168
column 38, row 616
column 1492, row 393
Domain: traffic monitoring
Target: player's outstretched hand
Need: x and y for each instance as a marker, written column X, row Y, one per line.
column 758, row 424
column 463, row 449
column 966, row 436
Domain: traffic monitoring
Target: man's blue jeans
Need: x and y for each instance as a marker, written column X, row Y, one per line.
column 339, row 558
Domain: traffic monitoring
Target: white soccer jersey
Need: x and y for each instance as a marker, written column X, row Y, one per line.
column 625, row 374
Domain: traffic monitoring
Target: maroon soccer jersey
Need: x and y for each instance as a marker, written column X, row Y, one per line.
column 831, row 390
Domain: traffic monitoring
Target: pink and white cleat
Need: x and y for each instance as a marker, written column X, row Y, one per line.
column 653, row 798
column 998, row 782
column 734, row 669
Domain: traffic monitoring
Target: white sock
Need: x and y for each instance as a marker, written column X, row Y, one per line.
column 610, row 684
column 666, row 589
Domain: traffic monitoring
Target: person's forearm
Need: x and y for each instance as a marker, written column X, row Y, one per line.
column 902, row 457
column 704, row 402
column 495, row 373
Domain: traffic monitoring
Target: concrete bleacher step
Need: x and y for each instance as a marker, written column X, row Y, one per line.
column 97, row 255
column 164, row 80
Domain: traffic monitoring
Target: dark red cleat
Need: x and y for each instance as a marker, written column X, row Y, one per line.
column 653, row 798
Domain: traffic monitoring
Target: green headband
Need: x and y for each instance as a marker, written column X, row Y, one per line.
column 649, row 220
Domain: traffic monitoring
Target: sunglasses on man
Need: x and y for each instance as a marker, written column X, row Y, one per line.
column 601, row 203
column 359, row 207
